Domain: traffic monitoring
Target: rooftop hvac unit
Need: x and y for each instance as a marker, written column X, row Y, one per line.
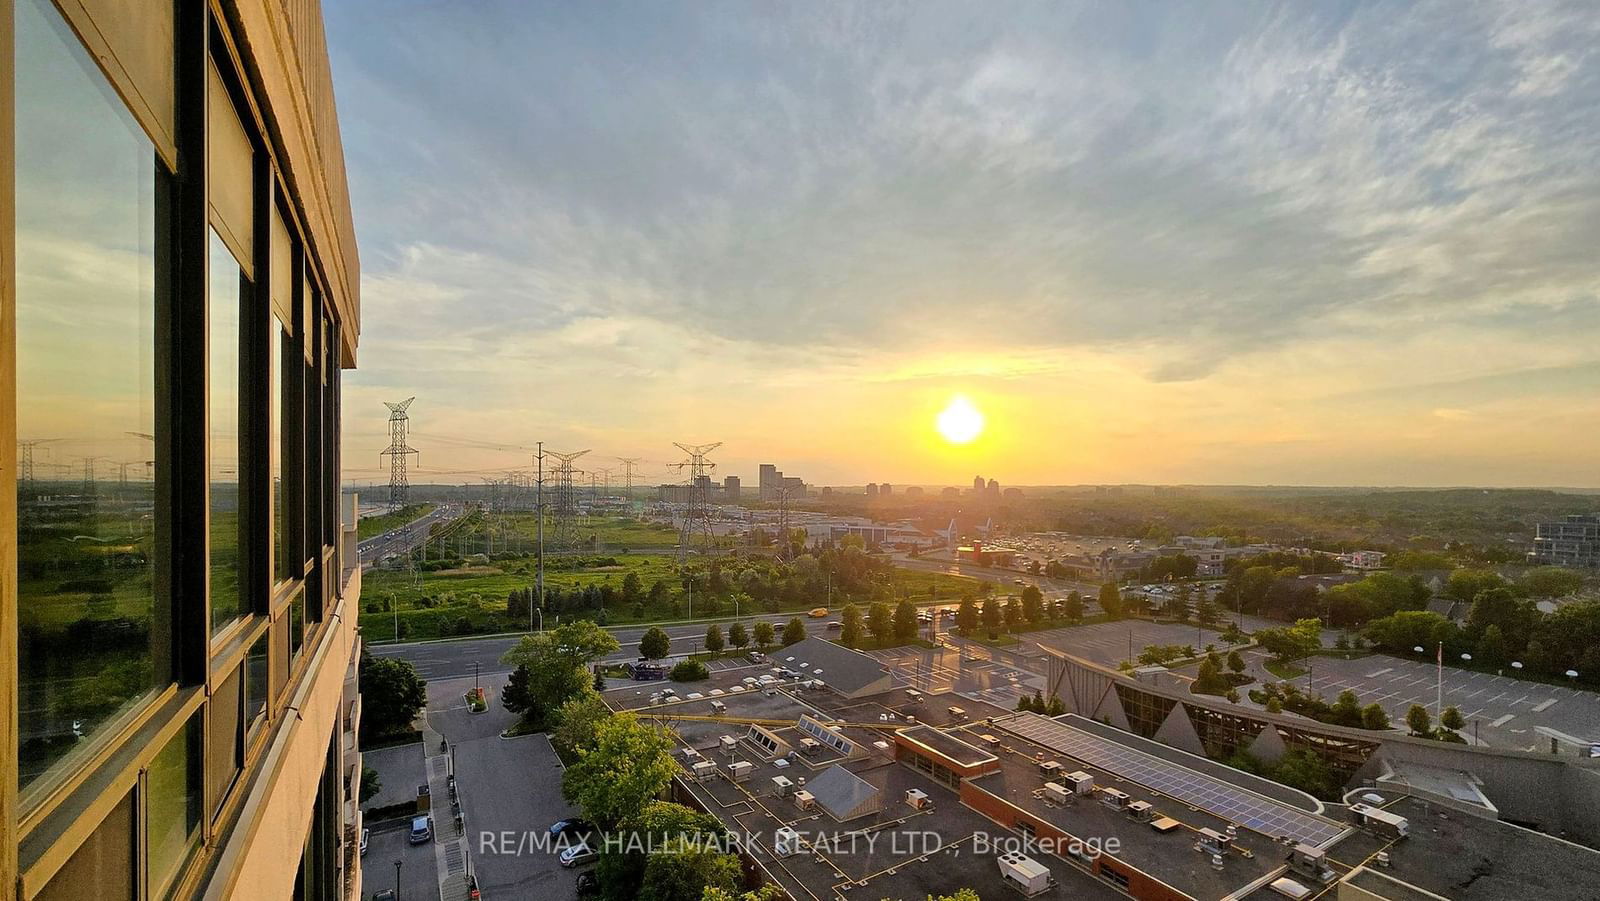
column 989, row 740
column 1141, row 810
column 740, row 771
column 1114, row 798
column 781, row 785
column 918, row 799
column 786, row 842
column 1380, row 821
column 810, row 746
column 1381, row 859
column 690, row 754
column 1056, row 793
column 805, row 800
column 704, row 770
column 911, row 719
column 728, row 743
column 1024, row 873
column 1289, row 888
column 1049, row 769
column 1081, row 783
column 719, row 707
column 1212, row 840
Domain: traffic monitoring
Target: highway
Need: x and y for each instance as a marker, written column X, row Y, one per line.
column 406, row 537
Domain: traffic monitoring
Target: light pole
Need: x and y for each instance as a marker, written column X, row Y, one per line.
column 397, row 864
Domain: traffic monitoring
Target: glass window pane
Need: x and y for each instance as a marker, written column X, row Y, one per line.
column 223, row 312
column 282, row 357
column 256, row 686
column 173, row 805
column 297, row 624
column 222, row 746
column 86, row 183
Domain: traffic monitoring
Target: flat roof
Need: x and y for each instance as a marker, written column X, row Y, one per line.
column 1202, row 790
column 946, row 745
column 1467, row 857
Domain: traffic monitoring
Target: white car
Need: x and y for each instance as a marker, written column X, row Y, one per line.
column 578, row 854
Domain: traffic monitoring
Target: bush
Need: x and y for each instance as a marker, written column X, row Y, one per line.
column 690, row 671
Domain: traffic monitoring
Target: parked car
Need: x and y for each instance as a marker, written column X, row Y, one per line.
column 421, row 830
column 386, row 894
column 755, row 656
column 578, row 855
column 573, row 828
column 366, row 834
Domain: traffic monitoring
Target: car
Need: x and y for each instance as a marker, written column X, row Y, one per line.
column 421, row 830
column 755, row 656
column 578, row 854
column 835, row 626
column 818, row 613
column 571, row 827
column 366, row 834
column 386, row 894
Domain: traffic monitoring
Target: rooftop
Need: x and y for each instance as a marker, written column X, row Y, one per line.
column 946, row 745
column 845, row 671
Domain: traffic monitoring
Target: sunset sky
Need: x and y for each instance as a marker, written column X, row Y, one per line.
column 1249, row 243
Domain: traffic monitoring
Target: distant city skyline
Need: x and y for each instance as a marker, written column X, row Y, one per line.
column 1350, row 244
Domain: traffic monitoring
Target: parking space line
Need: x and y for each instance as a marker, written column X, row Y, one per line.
column 1544, row 705
column 1503, row 720
column 1375, row 675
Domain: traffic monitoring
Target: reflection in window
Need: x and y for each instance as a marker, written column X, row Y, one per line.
column 86, row 183
column 297, row 624
column 173, row 802
column 227, row 290
column 256, row 685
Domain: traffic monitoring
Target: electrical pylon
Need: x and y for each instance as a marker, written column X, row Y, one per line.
column 564, row 507
column 398, row 452
column 697, row 519
column 628, row 463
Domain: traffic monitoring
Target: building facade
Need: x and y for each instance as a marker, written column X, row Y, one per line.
column 177, row 582
column 1573, row 541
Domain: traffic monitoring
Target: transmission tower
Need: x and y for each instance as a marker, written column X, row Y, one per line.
column 783, row 523
column 564, row 521
column 88, row 475
column 25, row 465
column 398, row 452
column 628, row 463
column 696, row 519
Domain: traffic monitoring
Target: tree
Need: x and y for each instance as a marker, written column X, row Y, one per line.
column 794, row 631
column 1418, row 721
column 767, row 892
column 1346, row 710
column 1032, row 604
column 1492, row 646
column 1236, row 662
column 1465, row 584
column 737, row 636
column 557, row 664
column 1013, row 614
column 517, row 696
column 391, row 695
column 763, row 634
column 1205, row 612
column 689, row 671
column 1452, row 719
column 683, row 870
column 371, row 784
column 1074, row 606
column 622, row 769
column 1111, row 600
column 1307, row 771
column 1290, row 643
column 576, row 720
column 991, row 616
column 850, row 632
column 655, row 644
column 1208, row 680
column 621, row 868
column 632, row 588
column 1549, row 582
column 967, row 617
column 905, row 621
column 1374, row 717
column 714, row 642
column 880, row 622
column 1499, row 607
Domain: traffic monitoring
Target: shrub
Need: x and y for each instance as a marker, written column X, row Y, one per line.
column 690, row 671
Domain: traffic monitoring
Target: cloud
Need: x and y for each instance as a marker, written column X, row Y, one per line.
column 639, row 203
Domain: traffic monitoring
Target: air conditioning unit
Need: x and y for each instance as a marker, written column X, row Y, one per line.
column 704, row 770
column 805, row 800
column 1056, row 793
column 918, row 799
column 1081, row 783
column 1049, row 769
column 1024, row 873
column 740, row 771
column 786, row 842
column 781, row 786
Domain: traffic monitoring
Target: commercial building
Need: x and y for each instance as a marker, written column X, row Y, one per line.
column 1574, row 541
column 179, row 583
column 730, row 489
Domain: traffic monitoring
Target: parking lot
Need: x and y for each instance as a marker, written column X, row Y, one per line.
column 418, row 878
column 1110, row 643
column 1500, row 711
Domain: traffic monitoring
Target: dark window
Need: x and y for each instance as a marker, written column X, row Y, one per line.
column 297, row 624
column 283, row 356
column 87, row 180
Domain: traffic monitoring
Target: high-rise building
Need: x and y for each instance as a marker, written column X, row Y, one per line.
column 885, row 489
column 767, row 481
column 182, row 686
column 977, row 484
column 730, row 489
column 872, row 490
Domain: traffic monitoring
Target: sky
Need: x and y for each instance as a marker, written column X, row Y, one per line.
column 1330, row 244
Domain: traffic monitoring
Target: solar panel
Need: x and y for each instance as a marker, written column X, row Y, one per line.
column 1197, row 789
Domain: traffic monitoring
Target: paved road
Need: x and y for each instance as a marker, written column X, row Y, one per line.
column 418, row 878
column 403, row 539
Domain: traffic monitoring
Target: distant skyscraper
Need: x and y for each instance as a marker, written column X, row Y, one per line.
column 872, row 490
column 994, row 488
column 730, row 488
column 885, row 490
column 767, row 482
column 977, row 484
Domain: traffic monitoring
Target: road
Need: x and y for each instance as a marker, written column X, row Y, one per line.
column 406, row 537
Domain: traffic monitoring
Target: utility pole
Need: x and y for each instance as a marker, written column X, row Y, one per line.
column 538, row 504
column 398, row 452
column 697, row 519
column 628, row 463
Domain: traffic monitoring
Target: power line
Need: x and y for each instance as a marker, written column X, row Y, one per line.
column 398, row 452
column 697, row 519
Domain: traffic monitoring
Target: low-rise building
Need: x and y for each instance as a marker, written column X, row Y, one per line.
column 1573, row 541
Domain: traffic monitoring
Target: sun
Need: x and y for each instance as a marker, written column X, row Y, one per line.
column 960, row 422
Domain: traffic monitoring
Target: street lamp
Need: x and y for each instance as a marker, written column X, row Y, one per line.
column 397, row 864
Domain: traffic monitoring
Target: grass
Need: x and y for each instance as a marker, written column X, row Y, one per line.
column 372, row 526
column 1284, row 670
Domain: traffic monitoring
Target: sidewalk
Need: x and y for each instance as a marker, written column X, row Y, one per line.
column 451, row 848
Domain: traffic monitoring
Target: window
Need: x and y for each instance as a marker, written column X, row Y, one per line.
column 87, row 185
column 283, row 356
column 173, row 805
column 257, row 686
column 222, row 746
column 228, row 293
column 297, row 624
